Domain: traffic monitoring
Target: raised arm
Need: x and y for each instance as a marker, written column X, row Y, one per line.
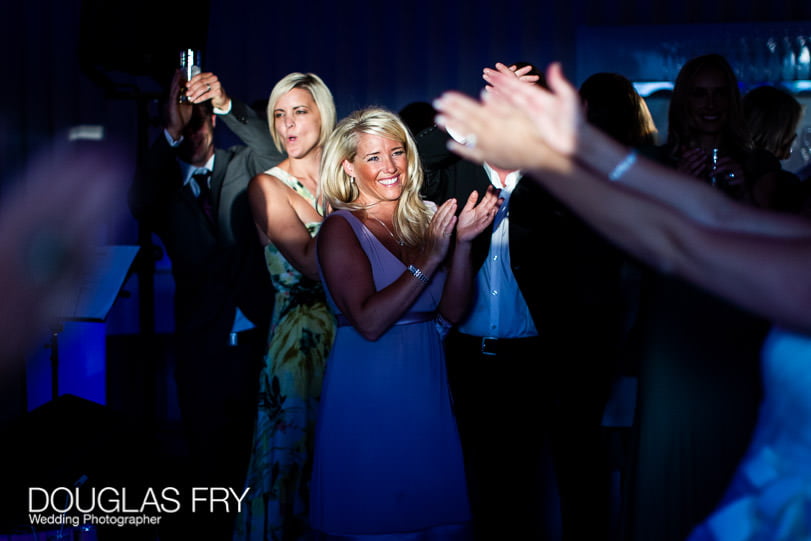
column 762, row 267
column 273, row 205
column 155, row 180
column 246, row 124
column 696, row 200
column 767, row 275
column 558, row 121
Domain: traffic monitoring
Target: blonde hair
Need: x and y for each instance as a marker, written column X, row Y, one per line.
column 772, row 116
column 321, row 96
column 412, row 216
column 614, row 106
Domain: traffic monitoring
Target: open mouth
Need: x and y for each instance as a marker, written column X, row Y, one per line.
column 389, row 181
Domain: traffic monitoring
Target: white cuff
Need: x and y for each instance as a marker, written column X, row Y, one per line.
column 218, row 111
column 172, row 142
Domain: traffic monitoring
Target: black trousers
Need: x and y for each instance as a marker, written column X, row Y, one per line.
column 519, row 406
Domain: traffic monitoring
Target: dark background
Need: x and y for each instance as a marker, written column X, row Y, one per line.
column 368, row 53
column 105, row 63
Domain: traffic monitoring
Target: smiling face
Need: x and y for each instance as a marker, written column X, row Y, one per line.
column 708, row 102
column 380, row 167
column 298, row 122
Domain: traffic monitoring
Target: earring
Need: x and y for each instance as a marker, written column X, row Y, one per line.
column 352, row 179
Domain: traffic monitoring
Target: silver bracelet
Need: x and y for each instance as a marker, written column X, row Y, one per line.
column 418, row 273
column 622, row 167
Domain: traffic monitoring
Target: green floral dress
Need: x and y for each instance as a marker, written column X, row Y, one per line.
column 301, row 334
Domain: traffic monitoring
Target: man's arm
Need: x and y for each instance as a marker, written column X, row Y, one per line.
column 151, row 188
column 252, row 129
column 243, row 121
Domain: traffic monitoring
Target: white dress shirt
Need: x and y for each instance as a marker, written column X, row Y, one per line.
column 499, row 308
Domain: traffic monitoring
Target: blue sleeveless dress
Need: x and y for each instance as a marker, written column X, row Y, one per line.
column 388, row 462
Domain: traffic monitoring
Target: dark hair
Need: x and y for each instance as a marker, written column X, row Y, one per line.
column 201, row 113
column 418, row 115
column 679, row 132
column 614, row 106
column 205, row 107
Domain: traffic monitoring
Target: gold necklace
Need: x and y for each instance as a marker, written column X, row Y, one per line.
column 398, row 241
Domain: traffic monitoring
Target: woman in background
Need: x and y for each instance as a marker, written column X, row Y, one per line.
column 688, row 230
column 706, row 135
column 301, row 115
column 698, row 355
column 772, row 116
column 613, row 105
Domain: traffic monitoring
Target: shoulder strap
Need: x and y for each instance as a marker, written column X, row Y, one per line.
column 292, row 182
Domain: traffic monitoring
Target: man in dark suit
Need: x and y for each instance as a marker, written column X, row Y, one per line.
column 530, row 369
column 194, row 198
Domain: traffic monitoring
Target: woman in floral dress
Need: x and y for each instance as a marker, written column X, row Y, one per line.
column 301, row 114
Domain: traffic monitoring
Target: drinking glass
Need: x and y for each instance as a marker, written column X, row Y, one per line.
column 190, row 65
column 714, row 167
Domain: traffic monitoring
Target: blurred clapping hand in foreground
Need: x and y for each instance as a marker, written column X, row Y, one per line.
column 51, row 217
column 687, row 229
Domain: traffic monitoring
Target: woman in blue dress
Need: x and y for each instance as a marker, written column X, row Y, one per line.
column 388, row 460
column 757, row 259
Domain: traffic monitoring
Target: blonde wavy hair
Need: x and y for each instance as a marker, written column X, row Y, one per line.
column 772, row 116
column 322, row 97
column 412, row 216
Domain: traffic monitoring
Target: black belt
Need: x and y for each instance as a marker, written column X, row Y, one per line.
column 488, row 345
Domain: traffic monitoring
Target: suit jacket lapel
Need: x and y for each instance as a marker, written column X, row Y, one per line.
column 185, row 190
column 481, row 244
column 218, row 178
column 524, row 204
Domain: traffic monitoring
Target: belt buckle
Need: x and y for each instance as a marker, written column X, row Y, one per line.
column 488, row 345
